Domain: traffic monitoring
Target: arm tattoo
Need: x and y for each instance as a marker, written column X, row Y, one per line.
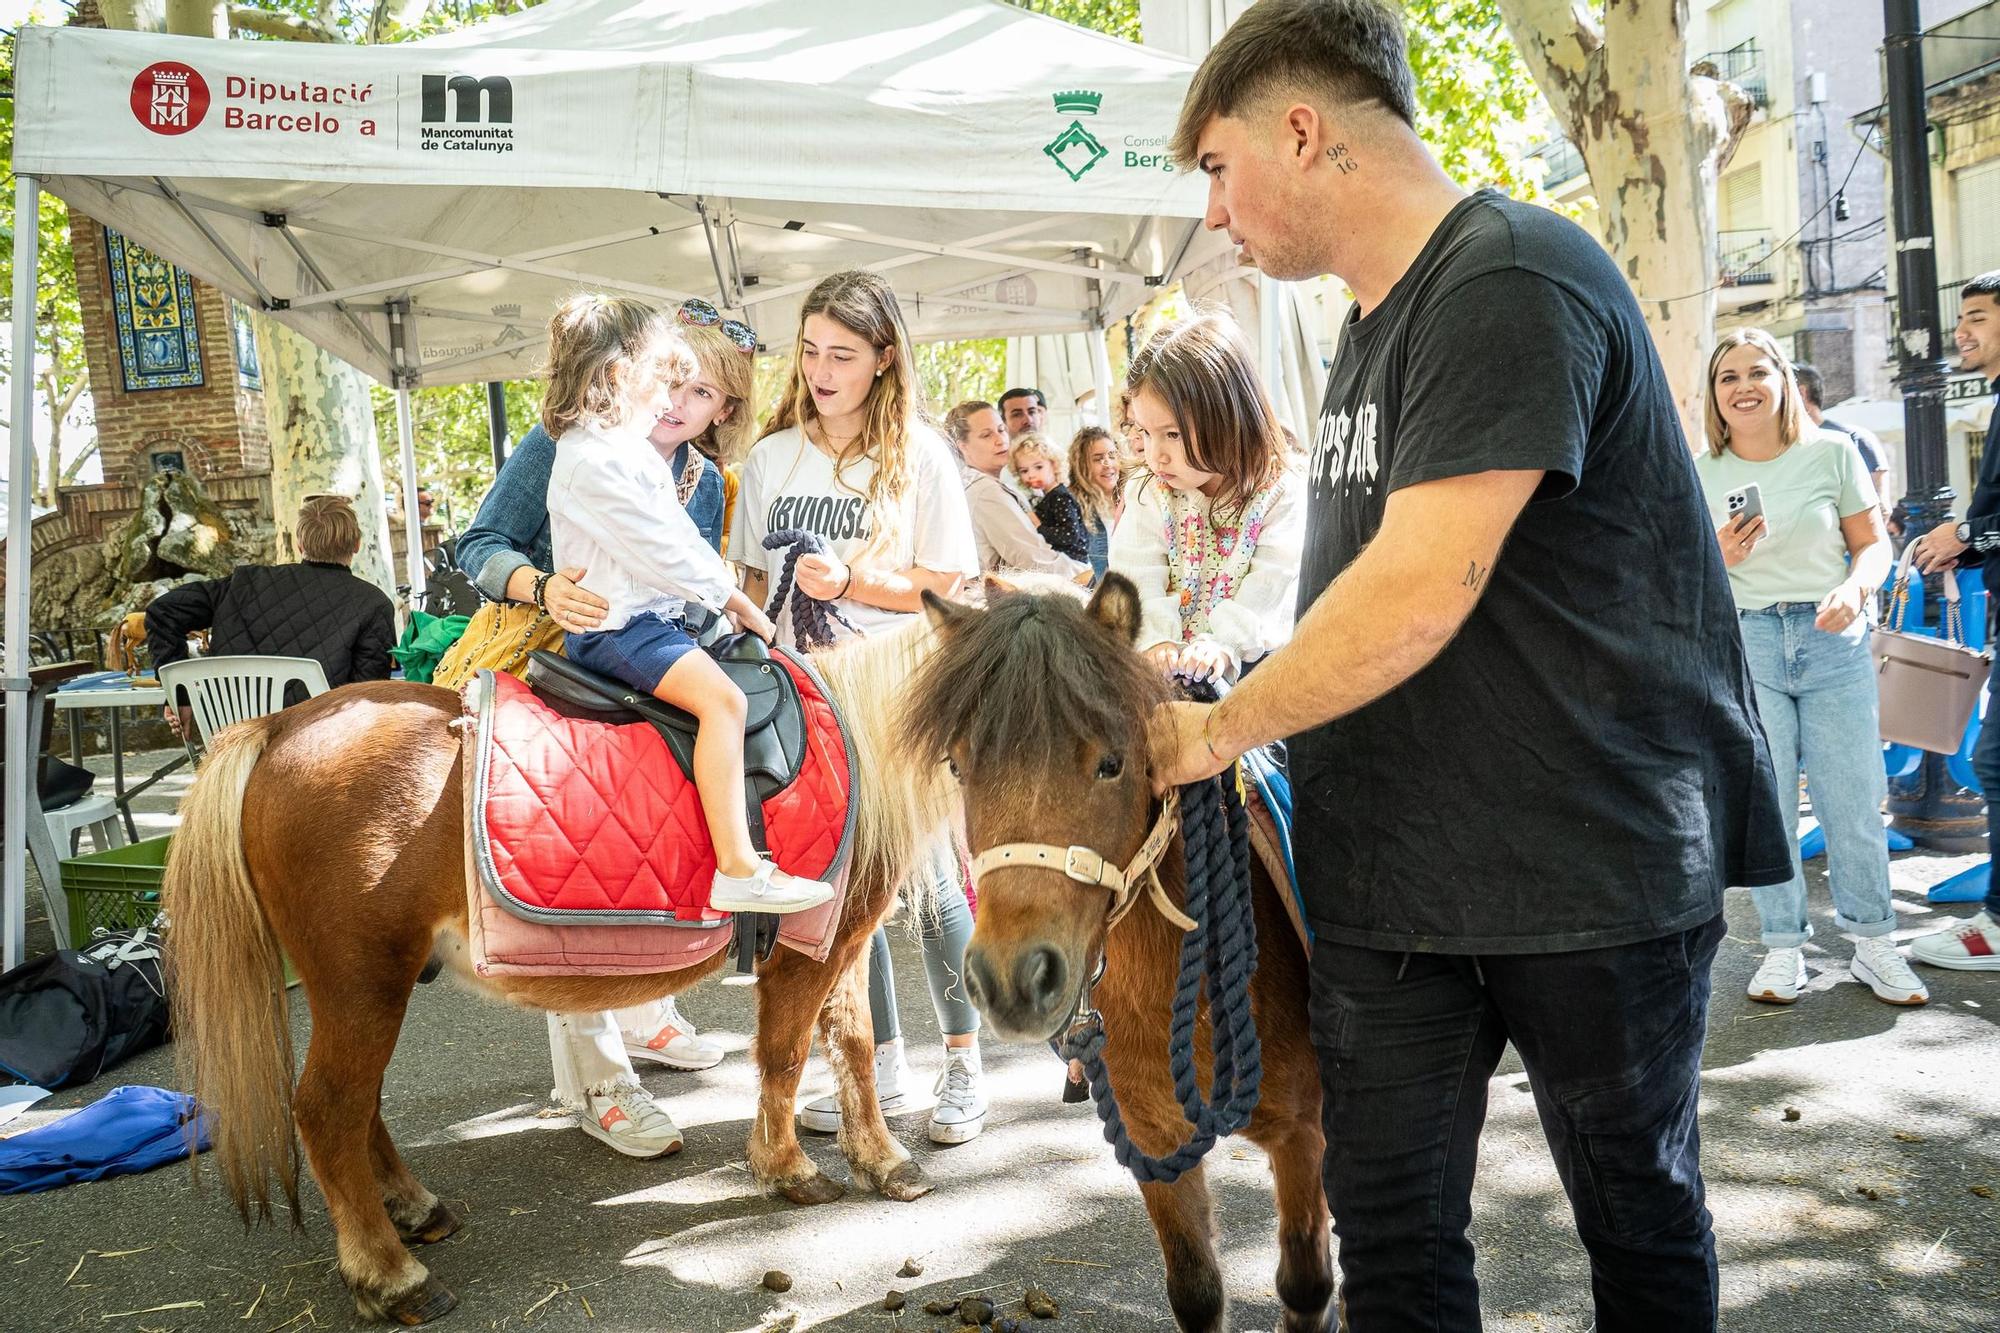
column 1475, row 576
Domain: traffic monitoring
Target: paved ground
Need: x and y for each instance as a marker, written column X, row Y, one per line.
column 565, row 1235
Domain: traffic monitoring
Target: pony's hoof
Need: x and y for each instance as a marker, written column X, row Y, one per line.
column 443, row 1221
column 815, row 1188
column 905, row 1183
column 428, row 1301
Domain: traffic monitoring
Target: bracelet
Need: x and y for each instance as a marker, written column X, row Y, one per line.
column 1205, row 724
column 541, row 589
column 845, row 586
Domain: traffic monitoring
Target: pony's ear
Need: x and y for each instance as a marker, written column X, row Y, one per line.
column 1116, row 607
column 992, row 587
column 946, row 617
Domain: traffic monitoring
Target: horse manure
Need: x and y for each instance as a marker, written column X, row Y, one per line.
column 1040, row 1304
column 940, row 1306
column 894, row 1301
column 912, row 1267
column 975, row 1310
column 777, row 1280
column 1791, row 1113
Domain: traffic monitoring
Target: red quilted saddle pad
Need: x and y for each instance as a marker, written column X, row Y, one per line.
column 579, row 821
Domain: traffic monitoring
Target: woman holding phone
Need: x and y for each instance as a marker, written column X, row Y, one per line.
column 1802, row 536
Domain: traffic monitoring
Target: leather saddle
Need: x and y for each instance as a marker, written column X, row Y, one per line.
column 774, row 729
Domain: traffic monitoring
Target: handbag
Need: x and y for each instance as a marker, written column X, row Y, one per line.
column 1929, row 684
column 499, row 637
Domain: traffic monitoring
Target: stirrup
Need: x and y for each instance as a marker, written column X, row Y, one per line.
column 756, row 934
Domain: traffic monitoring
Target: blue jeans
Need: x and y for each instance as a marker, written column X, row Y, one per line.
column 1986, row 766
column 1611, row 1039
column 943, row 932
column 1817, row 697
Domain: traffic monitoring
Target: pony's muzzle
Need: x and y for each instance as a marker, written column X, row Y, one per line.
column 1026, row 1001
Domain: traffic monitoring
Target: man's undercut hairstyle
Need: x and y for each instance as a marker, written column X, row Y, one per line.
column 1336, row 52
column 1012, row 394
column 1986, row 284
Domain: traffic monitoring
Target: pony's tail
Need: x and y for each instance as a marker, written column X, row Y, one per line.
column 225, row 978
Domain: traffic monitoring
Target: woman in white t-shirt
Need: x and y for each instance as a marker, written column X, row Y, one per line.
column 848, row 457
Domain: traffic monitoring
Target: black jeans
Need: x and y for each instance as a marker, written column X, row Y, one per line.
column 1611, row 1039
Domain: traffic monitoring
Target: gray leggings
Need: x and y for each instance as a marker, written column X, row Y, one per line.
column 943, row 934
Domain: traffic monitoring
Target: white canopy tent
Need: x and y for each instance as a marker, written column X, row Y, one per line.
column 417, row 209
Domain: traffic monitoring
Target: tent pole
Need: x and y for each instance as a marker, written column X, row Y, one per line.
column 1100, row 370
column 20, row 520
column 496, row 422
column 406, row 437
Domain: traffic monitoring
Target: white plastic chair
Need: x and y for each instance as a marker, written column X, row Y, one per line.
column 223, row 691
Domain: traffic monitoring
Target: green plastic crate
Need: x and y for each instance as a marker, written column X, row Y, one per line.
column 117, row 890
column 120, row 890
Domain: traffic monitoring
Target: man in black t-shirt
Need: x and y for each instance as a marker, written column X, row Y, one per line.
column 1524, row 751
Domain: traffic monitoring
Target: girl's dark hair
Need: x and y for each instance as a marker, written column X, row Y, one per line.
column 1203, row 371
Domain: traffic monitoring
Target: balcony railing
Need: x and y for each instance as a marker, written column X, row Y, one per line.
column 1742, row 65
column 1747, row 258
column 1561, row 163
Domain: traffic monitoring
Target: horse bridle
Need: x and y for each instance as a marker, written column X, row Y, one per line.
column 1087, row 866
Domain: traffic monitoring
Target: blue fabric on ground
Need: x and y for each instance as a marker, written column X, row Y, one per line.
column 129, row 1129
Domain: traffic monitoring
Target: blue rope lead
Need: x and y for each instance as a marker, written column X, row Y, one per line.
column 812, row 619
column 1220, row 954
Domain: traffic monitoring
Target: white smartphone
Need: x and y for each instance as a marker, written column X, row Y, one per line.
column 1746, row 503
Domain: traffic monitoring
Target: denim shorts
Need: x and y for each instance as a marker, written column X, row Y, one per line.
column 639, row 652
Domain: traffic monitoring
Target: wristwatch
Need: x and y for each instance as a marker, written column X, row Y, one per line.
column 1963, row 532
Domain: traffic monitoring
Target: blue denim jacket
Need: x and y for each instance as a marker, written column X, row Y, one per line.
column 512, row 527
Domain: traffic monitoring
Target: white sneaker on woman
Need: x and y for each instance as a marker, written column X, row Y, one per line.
column 675, row 1044
column 1881, row 968
column 1971, row 945
column 1781, row 978
column 630, row 1121
column 822, row 1114
column 960, row 1112
column 767, row 889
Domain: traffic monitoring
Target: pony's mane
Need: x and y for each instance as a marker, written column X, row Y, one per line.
column 1032, row 674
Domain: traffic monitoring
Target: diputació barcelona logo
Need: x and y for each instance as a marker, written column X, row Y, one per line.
column 169, row 97
column 1076, row 150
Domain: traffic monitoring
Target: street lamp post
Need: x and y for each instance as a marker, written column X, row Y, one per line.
column 1927, row 804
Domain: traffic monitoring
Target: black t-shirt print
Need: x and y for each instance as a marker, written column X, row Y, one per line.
column 1582, row 765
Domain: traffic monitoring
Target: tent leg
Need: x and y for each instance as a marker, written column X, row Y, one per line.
column 20, row 520
column 413, row 554
column 1100, row 371
column 496, row 422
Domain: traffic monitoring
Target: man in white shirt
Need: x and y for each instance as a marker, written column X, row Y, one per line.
column 1001, row 526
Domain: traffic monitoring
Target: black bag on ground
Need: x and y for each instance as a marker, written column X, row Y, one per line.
column 67, row 1017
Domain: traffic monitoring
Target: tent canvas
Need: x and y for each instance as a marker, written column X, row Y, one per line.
column 417, row 208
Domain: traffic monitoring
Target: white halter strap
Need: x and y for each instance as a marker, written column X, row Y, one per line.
column 1086, row 866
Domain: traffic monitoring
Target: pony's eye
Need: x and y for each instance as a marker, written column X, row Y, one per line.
column 1110, row 767
column 952, row 764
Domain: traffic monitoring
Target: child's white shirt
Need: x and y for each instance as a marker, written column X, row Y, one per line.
column 615, row 513
column 1258, row 615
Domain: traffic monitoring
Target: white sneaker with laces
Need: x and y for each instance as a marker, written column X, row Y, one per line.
column 1781, row 978
column 1972, row 945
column 1881, row 968
column 676, row 1044
column 630, row 1121
column 822, row 1114
column 767, row 889
column 960, row 1112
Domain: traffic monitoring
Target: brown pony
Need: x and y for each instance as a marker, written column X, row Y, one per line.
column 1041, row 705
column 335, row 831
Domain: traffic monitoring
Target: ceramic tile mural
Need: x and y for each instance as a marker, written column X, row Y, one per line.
column 153, row 303
column 247, row 372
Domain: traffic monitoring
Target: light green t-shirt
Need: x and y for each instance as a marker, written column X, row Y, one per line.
column 1806, row 491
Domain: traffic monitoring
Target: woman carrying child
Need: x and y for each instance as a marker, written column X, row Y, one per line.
column 1045, row 474
column 1212, row 534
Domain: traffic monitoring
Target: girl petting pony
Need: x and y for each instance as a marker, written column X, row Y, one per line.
column 614, row 510
column 1212, row 537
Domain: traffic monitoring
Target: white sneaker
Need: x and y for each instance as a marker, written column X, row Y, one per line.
column 630, row 1121
column 767, row 889
column 960, row 1112
column 676, row 1045
column 822, row 1114
column 1881, row 968
column 1972, row 945
column 1781, row 978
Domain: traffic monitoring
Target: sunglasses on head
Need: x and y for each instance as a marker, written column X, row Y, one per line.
column 702, row 315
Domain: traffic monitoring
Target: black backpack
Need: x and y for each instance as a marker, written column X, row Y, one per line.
column 67, row 1017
